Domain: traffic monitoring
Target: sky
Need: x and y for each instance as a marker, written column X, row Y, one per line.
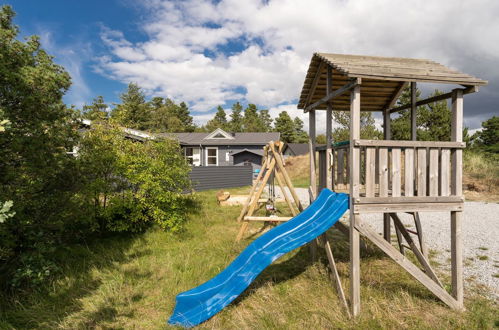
column 210, row 53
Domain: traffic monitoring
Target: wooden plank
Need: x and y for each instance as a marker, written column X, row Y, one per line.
column 354, row 165
column 322, row 170
column 457, row 257
column 421, row 172
column 419, row 230
column 370, row 171
column 413, row 112
column 409, row 172
column 394, row 97
column 457, row 136
column 409, row 144
column 445, row 171
column 433, row 172
column 421, row 258
column 383, row 172
column 433, row 99
column 287, row 198
column 396, row 172
column 352, row 84
column 315, row 82
column 311, row 146
column 254, row 218
column 334, row 273
column 412, row 199
column 340, row 168
column 408, row 266
column 407, row 207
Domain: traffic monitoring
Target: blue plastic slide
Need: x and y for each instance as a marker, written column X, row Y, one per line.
column 199, row 304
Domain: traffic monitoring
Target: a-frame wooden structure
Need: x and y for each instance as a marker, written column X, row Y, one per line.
column 273, row 166
column 387, row 176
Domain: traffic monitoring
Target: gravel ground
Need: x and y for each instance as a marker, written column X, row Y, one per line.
column 480, row 238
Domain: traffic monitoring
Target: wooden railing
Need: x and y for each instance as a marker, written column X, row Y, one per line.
column 397, row 171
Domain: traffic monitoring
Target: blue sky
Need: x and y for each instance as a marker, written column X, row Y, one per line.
column 211, row 53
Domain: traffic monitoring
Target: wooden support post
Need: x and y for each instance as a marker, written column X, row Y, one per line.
column 329, row 129
column 419, row 229
column 387, row 134
column 354, row 165
column 413, row 112
column 457, row 190
column 311, row 148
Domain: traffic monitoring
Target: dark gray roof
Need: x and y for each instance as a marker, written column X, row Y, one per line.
column 258, row 152
column 297, row 148
column 239, row 138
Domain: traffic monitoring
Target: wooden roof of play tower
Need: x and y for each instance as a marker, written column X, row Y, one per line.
column 383, row 78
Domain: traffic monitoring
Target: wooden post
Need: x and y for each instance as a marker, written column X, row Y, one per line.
column 311, row 148
column 329, row 129
column 387, row 133
column 457, row 190
column 413, row 112
column 354, row 193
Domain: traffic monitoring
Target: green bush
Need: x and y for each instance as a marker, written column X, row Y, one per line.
column 128, row 185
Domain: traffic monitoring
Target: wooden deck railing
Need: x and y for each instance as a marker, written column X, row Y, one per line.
column 397, row 171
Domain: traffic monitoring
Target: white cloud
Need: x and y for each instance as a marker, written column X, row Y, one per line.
column 276, row 39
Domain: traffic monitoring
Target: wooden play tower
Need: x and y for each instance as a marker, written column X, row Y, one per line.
column 388, row 176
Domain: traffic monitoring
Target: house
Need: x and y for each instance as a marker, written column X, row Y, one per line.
column 221, row 148
column 295, row 149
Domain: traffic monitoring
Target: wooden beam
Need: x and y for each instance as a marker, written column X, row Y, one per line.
column 311, row 148
column 413, row 112
column 329, row 130
column 334, row 273
column 334, row 94
column 407, row 207
column 456, row 189
column 421, row 258
column 313, row 86
column 410, row 144
column 412, row 269
column 433, row 99
column 396, row 95
column 254, row 218
column 354, row 163
column 407, row 199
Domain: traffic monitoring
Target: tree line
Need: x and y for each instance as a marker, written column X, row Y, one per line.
column 164, row 115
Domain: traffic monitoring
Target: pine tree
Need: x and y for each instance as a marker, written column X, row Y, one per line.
column 236, row 119
column 183, row 114
column 133, row 112
column 251, row 121
column 265, row 120
column 489, row 136
column 367, row 128
column 285, row 125
column 218, row 121
column 96, row 110
column 300, row 136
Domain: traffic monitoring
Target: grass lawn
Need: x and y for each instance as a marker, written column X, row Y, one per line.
column 131, row 282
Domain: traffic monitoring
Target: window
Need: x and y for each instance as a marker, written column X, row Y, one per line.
column 211, row 156
column 192, row 156
column 219, row 136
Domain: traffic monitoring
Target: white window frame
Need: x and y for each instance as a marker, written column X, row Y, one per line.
column 206, row 156
column 198, row 162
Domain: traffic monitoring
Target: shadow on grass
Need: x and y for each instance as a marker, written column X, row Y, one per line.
column 49, row 305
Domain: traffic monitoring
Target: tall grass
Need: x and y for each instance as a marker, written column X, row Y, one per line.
column 131, row 282
column 482, row 170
